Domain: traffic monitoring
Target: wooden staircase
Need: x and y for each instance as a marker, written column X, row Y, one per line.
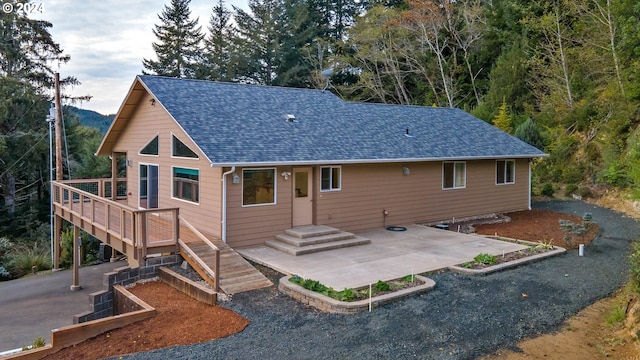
column 314, row 238
column 236, row 274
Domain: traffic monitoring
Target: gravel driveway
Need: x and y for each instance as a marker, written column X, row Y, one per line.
column 462, row 318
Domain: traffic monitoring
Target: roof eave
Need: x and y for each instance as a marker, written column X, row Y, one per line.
column 371, row 161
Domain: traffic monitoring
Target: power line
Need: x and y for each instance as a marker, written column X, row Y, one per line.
column 23, row 155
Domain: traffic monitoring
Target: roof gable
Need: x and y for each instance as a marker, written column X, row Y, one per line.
column 237, row 124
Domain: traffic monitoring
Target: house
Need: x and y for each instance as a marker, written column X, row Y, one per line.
column 243, row 163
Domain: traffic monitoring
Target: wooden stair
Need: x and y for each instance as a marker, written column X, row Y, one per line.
column 314, row 238
column 236, row 274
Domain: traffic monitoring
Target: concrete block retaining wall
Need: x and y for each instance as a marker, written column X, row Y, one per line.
column 102, row 302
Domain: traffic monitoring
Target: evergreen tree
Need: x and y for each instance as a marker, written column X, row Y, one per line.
column 529, row 133
column 219, row 46
column 178, row 46
column 260, row 34
column 503, row 120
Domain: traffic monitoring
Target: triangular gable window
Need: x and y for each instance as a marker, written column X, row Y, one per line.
column 151, row 148
column 182, row 150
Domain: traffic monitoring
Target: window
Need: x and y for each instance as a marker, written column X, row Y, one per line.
column 151, row 148
column 505, row 172
column 179, row 149
column 330, row 178
column 186, row 184
column 454, row 175
column 258, row 187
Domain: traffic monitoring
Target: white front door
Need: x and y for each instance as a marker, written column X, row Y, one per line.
column 302, row 196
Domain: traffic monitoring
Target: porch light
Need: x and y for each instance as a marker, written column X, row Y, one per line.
column 406, row 170
column 235, row 179
column 129, row 162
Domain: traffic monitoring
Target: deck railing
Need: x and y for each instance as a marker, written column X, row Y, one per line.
column 141, row 229
column 214, row 273
column 100, row 187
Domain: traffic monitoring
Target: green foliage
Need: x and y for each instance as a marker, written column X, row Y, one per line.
column 503, row 120
column 616, row 315
column 529, row 133
column 178, row 42
column 382, row 286
column 23, row 259
column 547, row 189
column 485, row 259
column 634, row 265
column 570, row 189
column 37, row 343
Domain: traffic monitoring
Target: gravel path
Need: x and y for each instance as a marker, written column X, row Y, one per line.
column 462, row 318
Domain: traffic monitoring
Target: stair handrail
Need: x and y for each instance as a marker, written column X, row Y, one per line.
column 216, row 250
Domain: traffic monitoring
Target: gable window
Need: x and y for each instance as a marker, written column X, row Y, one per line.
column 186, row 184
column 454, row 175
column 505, row 172
column 330, row 178
column 258, row 187
column 179, row 149
column 151, row 148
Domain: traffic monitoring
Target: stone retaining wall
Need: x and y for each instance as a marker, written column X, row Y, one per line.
column 102, row 302
column 327, row 304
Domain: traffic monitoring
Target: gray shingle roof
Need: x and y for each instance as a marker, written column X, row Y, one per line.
column 236, row 124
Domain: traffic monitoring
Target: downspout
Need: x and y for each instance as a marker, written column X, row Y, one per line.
column 530, row 189
column 224, row 202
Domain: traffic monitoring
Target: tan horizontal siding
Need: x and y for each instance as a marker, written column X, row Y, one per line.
column 253, row 225
column 146, row 122
column 367, row 190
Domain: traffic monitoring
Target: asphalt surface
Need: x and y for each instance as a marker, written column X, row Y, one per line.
column 462, row 318
column 31, row 307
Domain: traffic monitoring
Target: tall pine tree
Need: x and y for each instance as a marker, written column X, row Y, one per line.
column 219, row 46
column 178, row 46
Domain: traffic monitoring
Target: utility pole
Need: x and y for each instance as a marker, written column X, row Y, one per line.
column 58, row 128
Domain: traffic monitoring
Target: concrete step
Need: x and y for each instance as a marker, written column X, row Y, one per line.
column 307, row 241
column 295, row 250
column 307, row 231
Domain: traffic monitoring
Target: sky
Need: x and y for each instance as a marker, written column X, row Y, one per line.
column 107, row 40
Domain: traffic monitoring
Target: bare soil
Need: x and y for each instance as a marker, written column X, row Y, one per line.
column 182, row 320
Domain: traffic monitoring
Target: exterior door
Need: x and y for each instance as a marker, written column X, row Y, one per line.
column 148, row 186
column 302, row 196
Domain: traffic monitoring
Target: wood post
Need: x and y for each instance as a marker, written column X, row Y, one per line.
column 57, row 232
column 114, row 176
column 76, row 260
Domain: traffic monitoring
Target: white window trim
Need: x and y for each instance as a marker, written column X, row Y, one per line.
column 199, row 182
column 505, row 174
column 139, row 188
column 339, row 188
column 147, row 143
column 275, row 188
column 454, row 187
column 185, row 144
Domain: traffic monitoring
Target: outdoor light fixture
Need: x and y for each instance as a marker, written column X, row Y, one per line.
column 405, row 170
column 285, row 175
column 235, row 179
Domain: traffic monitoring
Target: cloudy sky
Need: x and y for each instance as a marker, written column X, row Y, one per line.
column 107, row 40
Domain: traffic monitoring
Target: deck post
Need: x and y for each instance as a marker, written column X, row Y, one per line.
column 57, row 232
column 114, row 176
column 75, row 286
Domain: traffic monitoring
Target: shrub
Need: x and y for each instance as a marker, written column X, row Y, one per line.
column 634, row 265
column 24, row 258
column 547, row 189
column 570, row 189
column 382, row 286
column 485, row 259
column 584, row 192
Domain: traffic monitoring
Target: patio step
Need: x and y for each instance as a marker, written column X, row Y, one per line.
column 310, row 239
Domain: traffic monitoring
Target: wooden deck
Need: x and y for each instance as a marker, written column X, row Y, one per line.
column 138, row 233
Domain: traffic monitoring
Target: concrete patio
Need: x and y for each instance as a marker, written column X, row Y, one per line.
column 391, row 254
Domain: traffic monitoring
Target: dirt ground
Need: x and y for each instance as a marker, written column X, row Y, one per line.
column 180, row 320
column 583, row 337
